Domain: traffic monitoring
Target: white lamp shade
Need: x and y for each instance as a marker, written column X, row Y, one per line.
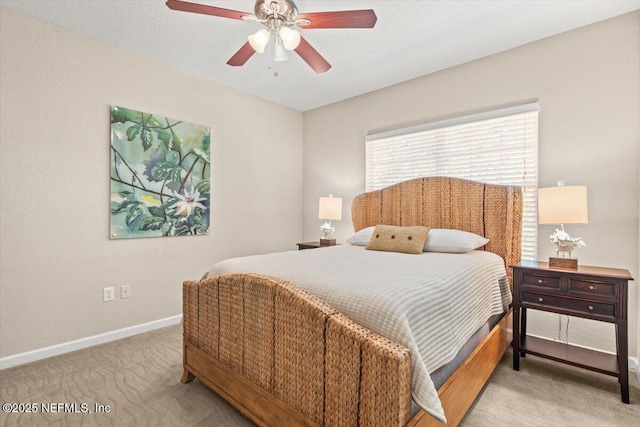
column 259, row 40
column 563, row 205
column 279, row 52
column 290, row 38
column 330, row 208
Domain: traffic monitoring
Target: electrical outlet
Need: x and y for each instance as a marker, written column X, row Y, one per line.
column 108, row 294
column 125, row 291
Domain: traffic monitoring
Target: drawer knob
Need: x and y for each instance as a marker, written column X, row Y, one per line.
column 540, row 281
column 590, row 307
column 540, row 299
column 592, row 287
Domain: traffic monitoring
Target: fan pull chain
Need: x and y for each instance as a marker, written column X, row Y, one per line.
column 276, row 73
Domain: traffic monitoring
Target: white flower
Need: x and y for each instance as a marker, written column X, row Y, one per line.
column 564, row 242
column 560, row 235
column 188, row 203
column 326, row 226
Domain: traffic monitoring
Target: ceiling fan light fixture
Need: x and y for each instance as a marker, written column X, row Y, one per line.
column 259, row 40
column 264, row 9
column 280, row 54
column 290, row 38
column 278, row 16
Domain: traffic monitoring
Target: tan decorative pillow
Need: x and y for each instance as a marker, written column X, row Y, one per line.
column 408, row 240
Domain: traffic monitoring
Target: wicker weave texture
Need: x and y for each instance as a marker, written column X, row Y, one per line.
column 208, row 322
column 360, row 365
column 190, row 312
column 300, row 323
column 231, row 312
column 343, row 365
column 493, row 211
column 300, row 349
column 382, row 365
column 259, row 329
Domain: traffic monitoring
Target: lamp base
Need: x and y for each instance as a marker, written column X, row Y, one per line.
column 568, row 263
column 327, row 242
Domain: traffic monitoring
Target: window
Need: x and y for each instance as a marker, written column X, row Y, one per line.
column 496, row 147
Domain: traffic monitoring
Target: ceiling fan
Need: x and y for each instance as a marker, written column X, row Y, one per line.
column 279, row 17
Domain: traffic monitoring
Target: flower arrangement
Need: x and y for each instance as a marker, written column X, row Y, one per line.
column 565, row 243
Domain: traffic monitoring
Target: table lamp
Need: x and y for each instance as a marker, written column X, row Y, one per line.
column 329, row 208
column 563, row 205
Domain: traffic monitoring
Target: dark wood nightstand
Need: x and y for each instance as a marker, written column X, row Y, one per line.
column 311, row 245
column 590, row 292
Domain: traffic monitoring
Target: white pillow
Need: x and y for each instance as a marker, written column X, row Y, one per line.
column 440, row 240
column 362, row 237
column 453, row 241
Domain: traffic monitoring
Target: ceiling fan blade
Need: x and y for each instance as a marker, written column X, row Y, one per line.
column 312, row 57
column 242, row 55
column 203, row 9
column 342, row 19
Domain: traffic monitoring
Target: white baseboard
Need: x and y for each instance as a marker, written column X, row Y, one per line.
column 634, row 365
column 66, row 347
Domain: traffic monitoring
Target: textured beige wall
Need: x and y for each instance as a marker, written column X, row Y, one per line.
column 56, row 89
column 588, row 84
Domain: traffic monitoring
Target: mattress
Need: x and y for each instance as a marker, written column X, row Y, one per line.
column 442, row 374
column 431, row 303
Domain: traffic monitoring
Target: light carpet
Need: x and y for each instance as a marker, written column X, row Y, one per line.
column 139, row 379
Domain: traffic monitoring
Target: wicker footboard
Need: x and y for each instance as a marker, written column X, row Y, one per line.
column 264, row 344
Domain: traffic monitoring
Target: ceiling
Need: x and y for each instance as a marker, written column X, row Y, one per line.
column 411, row 39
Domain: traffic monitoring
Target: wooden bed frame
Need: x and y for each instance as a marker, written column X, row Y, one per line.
column 283, row 357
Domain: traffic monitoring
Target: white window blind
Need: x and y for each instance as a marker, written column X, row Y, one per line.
column 497, row 147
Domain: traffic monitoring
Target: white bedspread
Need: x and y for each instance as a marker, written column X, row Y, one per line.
column 431, row 303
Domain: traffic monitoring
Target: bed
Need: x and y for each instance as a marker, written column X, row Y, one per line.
column 284, row 356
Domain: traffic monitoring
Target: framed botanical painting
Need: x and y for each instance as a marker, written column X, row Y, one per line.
column 160, row 176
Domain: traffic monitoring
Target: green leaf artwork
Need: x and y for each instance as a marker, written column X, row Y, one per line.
column 160, row 169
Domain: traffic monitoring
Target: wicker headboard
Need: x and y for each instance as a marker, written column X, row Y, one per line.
column 493, row 211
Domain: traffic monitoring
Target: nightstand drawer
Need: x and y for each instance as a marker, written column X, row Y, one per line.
column 594, row 288
column 567, row 304
column 540, row 281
